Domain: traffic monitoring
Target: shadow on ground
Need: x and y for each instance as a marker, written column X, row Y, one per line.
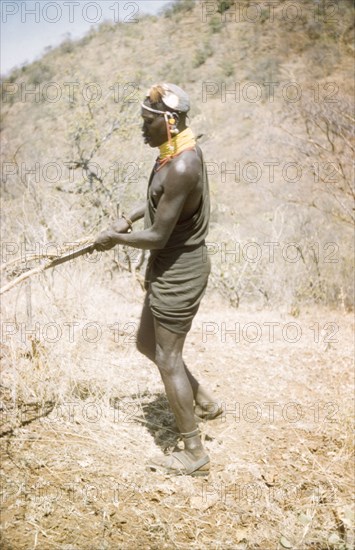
column 153, row 412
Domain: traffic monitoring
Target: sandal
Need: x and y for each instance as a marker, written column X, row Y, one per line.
column 187, row 466
column 210, row 413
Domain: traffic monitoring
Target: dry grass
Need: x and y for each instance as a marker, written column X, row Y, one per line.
column 82, row 419
column 106, row 133
column 83, row 412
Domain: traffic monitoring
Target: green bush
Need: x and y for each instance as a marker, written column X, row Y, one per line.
column 38, row 73
column 67, row 46
column 202, row 54
column 228, row 67
column 178, row 6
column 215, row 24
column 224, row 5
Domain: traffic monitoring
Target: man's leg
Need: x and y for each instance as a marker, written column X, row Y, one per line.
column 146, row 332
column 202, row 397
column 146, row 344
column 168, row 358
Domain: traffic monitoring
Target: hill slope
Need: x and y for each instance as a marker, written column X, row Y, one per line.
column 271, row 98
column 82, row 411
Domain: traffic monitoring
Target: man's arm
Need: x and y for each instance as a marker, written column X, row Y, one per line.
column 137, row 213
column 180, row 181
column 121, row 225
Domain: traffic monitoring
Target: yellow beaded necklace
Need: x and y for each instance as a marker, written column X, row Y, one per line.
column 174, row 146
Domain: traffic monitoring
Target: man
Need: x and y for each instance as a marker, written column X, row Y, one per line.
column 176, row 217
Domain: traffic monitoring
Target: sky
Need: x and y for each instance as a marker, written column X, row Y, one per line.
column 28, row 26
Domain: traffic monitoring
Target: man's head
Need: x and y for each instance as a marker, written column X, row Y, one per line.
column 164, row 112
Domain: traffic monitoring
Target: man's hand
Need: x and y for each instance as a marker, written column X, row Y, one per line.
column 120, row 226
column 104, row 241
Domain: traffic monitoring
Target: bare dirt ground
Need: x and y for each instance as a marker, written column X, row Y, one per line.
column 82, row 413
column 74, row 469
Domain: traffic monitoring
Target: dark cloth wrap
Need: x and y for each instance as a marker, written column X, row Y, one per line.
column 177, row 275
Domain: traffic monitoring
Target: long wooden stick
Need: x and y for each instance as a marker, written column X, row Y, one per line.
column 53, row 263
column 21, row 278
column 32, row 257
column 60, row 260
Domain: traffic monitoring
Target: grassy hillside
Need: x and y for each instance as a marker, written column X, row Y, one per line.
column 82, row 411
column 289, row 143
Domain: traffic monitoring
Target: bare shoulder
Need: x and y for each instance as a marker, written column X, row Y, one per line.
column 186, row 166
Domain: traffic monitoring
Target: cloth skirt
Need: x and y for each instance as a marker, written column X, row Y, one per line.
column 176, row 281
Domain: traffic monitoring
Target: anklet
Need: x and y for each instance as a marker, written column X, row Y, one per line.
column 187, row 435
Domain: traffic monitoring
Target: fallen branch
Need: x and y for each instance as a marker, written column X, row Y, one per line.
column 33, row 257
column 52, row 263
column 60, row 260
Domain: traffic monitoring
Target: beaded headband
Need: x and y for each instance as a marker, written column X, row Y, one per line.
column 173, row 97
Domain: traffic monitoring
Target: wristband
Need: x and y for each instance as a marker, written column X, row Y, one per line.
column 128, row 220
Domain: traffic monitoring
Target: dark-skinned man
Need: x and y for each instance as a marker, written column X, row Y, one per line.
column 176, row 217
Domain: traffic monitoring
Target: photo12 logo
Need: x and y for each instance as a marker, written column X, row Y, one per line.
column 53, row 172
column 42, row 492
column 71, row 12
column 270, row 331
column 255, row 92
column 237, row 11
column 269, row 252
column 71, row 91
column 71, row 332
